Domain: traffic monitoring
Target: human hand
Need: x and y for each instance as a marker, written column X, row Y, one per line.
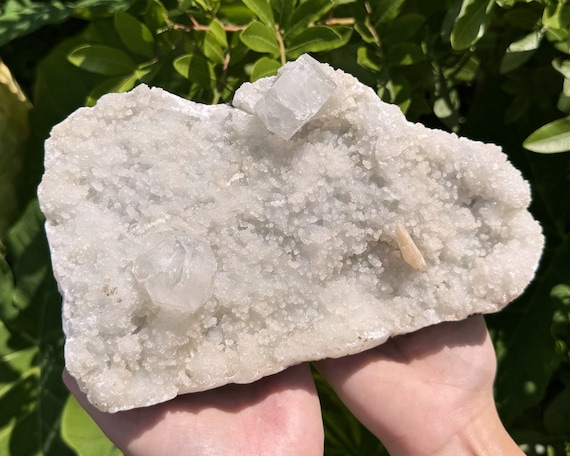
column 424, row 393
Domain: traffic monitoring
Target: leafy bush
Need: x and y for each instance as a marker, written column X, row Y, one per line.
column 493, row 70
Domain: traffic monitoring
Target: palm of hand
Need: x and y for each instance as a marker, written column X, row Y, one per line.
column 415, row 391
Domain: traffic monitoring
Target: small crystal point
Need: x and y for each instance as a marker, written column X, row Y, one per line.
column 295, row 97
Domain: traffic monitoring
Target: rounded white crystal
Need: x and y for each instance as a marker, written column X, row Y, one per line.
column 177, row 272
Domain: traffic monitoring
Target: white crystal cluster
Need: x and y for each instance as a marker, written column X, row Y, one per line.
column 194, row 248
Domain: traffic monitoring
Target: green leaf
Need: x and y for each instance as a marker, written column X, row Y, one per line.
column 102, row 60
column 385, row 11
column 527, row 358
column 471, row 23
column 561, row 292
column 262, row 10
column 182, row 64
column 563, row 103
column 557, row 414
column 405, row 54
column 263, row 68
column 562, row 66
column 317, row 39
column 556, row 15
column 284, row 9
column 466, row 70
column 396, row 90
column 196, row 69
column 31, row 269
column 305, row 14
column 52, row 391
column 368, row 59
column 260, row 38
column 215, row 43
column 22, row 17
column 14, row 131
column 81, row 433
column 344, row 434
column 520, row 51
column 402, row 28
column 216, row 30
column 446, row 103
column 156, row 15
column 551, row 138
column 208, row 6
column 236, row 13
column 134, row 34
column 30, row 363
column 113, row 85
column 365, row 30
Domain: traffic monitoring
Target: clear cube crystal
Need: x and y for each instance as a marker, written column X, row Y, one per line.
column 295, row 97
column 178, row 272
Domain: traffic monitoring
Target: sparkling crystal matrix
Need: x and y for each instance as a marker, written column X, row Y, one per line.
column 197, row 245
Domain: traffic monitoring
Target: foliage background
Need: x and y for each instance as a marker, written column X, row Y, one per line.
column 493, row 70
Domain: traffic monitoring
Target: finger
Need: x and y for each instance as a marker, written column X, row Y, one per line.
column 398, row 387
column 277, row 415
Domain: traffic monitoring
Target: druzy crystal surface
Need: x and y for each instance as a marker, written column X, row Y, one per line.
column 196, row 245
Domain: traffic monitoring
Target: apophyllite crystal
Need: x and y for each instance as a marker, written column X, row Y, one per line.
column 200, row 245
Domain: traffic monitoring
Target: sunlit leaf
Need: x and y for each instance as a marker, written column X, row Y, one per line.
column 113, row 85
column 563, row 103
column 102, row 60
column 156, row 15
column 134, row 34
column 19, row 17
column 215, row 43
column 196, row 69
column 317, row 39
column 446, row 105
column 81, row 433
column 216, row 30
column 520, row 51
column 264, row 67
column 556, row 15
column 260, row 38
column 365, row 30
column 366, row 58
column 551, row 138
column 562, row 66
column 306, row 13
column 384, row 11
column 471, row 23
column 262, row 9
column 14, row 130
column 400, row 92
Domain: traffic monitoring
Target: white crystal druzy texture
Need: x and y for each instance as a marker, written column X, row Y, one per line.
column 194, row 248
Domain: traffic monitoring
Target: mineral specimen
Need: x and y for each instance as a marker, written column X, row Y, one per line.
column 193, row 247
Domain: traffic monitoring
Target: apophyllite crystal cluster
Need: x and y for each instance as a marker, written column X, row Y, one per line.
column 198, row 245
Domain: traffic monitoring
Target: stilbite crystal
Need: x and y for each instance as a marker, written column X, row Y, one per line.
column 194, row 248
